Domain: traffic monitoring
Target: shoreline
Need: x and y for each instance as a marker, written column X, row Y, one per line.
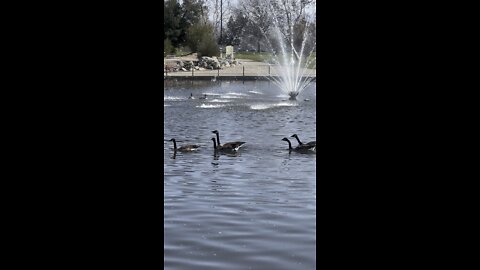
column 248, row 70
column 206, row 77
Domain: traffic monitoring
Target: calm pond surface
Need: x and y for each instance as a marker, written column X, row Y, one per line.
column 252, row 210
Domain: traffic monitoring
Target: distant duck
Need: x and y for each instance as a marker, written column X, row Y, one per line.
column 185, row 148
column 204, row 96
column 191, row 96
column 312, row 143
column 303, row 148
column 232, row 146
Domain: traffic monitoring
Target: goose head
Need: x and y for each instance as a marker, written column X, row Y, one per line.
column 294, row 136
column 215, row 131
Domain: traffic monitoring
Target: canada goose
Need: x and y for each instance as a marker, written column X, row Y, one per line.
column 185, row 148
column 300, row 148
column 191, row 96
column 204, row 96
column 233, row 146
column 228, row 150
column 314, row 143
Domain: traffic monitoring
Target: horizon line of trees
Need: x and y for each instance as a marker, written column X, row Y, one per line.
column 253, row 24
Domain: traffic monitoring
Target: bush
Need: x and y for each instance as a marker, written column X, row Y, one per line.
column 208, row 47
column 168, row 47
column 200, row 39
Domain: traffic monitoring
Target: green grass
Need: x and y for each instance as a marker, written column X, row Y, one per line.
column 180, row 52
column 266, row 57
column 259, row 57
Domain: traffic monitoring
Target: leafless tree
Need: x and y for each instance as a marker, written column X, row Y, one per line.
column 220, row 12
column 285, row 20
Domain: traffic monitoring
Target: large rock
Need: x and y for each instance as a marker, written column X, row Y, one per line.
column 188, row 65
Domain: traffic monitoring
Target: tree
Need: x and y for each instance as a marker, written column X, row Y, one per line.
column 259, row 19
column 172, row 22
column 283, row 24
column 220, row 11
column 178, row 18
column 235, row 28
column 194, row 11
column 290, row 21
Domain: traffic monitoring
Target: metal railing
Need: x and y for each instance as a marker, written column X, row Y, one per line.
column 243, row 72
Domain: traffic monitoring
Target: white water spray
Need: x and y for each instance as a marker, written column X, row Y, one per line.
column 292, row 63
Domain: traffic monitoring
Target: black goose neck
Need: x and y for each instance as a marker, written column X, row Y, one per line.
column 289, row 144
column 214, row 144
column 218, row 138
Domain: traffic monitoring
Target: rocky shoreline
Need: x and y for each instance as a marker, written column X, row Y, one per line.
column 204, row 63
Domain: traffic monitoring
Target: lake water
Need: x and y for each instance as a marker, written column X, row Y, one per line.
column 252, row 210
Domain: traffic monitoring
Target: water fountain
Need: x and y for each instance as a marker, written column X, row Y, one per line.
column 292, row 61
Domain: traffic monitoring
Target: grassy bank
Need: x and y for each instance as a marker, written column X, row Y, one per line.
column 180, row 53
column 259, row 57
column 266, row 57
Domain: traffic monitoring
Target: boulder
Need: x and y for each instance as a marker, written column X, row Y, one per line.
column 188, row 65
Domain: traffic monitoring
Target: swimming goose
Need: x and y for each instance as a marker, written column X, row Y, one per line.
column 233, row 146
column 185, row 148
column 204, row 96
column 191, row 96
column 300, row 148
column 314, row 143
column 228, row 150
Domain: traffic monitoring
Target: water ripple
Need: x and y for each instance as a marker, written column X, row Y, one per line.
column 252, row 210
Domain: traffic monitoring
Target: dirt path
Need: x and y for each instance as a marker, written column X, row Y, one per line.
column 247, row 67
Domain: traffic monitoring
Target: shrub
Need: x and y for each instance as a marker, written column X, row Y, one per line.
column 200, row 39
column 208, row 47
column 168, row 47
